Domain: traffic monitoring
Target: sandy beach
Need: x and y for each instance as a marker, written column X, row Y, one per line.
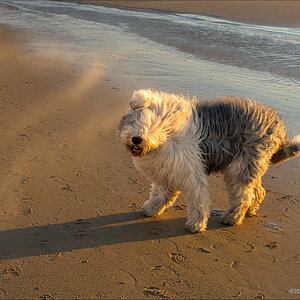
column 282, row 13
column 70, row 225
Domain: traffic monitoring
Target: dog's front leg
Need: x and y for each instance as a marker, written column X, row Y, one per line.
column 160, row 199
column 198, row 203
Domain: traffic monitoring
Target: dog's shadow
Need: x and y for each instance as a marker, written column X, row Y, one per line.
column 90, row 233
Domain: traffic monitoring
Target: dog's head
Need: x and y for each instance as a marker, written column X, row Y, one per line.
column 150, row 121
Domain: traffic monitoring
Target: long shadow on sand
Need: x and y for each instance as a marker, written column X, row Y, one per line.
column 90, row 233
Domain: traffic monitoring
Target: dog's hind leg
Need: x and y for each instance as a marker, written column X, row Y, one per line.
column 160, row 199
column 243, row 181
column 240, row 198
column 245, row 194
column 259, row 195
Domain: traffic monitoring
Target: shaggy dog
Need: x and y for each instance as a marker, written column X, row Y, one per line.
column 177, row 142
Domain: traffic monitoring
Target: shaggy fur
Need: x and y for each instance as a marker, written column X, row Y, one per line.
column 177, row 142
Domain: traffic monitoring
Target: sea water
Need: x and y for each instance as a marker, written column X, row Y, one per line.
column 174, row 52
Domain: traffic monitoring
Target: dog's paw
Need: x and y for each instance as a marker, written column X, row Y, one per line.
column 195, row 227
column 150, row 210
column 251, row 213
column 232, row 219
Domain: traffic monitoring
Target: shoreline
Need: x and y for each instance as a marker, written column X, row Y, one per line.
column 265, row 12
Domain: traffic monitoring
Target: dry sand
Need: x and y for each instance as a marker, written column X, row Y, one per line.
column 70, row 225
column 282, row 13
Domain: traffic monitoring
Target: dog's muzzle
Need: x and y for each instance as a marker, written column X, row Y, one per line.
column 137, row 146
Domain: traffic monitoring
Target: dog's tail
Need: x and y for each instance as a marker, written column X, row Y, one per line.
column 288, row 152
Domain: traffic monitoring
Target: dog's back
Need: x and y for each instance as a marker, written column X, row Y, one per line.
column 232, row 127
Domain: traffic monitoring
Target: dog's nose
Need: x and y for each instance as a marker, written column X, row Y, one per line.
column 136, row 140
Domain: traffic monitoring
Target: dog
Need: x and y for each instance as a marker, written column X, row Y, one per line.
column 177, row 142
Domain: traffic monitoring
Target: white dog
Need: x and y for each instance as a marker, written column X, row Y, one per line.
column 178, row 142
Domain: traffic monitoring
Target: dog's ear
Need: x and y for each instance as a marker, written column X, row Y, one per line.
column 140, row 99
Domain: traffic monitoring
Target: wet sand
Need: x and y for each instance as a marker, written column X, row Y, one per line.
column 70, row 225
column 282, row 13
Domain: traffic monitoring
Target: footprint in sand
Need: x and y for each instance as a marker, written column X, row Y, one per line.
column 273, row 227
column 273, row 245
column 26, row 180
column 155, row 291
column 135, row 206
column 46, row 297
column 177, row 258
column 68, row 188
column 11, row 271
column 204, row 250
column 82, row 222
column 81, row 234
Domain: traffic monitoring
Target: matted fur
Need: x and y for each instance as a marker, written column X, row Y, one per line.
column 184, row 140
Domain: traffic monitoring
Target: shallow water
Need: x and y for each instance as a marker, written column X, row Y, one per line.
column 179, row 53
